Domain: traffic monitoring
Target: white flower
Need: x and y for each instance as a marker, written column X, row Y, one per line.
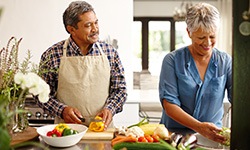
column 35, row 84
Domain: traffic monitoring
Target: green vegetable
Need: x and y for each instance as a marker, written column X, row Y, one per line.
column 140, row 123
column 143, row 146
column 68, row 131
column 226, row 133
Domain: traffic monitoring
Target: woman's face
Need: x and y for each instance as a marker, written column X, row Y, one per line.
column 88, row 29
column 202, row 42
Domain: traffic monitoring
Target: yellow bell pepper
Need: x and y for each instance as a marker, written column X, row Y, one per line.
column 61, row 126
column 97, row 126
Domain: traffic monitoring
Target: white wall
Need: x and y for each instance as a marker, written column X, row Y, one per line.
column 39, row 23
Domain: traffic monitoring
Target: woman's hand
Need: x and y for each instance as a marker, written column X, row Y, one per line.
column 71, row 115
column 107, row 117
column 210, row 131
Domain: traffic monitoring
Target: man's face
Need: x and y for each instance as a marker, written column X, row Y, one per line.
column 88, row 29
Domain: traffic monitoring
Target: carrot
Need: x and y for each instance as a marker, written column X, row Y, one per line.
column 123, row 139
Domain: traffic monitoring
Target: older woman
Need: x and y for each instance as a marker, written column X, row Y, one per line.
column 194, row 78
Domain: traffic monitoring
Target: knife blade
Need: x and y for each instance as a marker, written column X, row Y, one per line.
column 90, row 119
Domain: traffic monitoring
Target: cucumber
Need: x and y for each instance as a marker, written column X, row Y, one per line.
column 143, row 146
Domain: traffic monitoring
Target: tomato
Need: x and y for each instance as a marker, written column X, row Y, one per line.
column 156, row 138
column 142, row 139
column 50, row 133
column 149, row 138
column 54, row 133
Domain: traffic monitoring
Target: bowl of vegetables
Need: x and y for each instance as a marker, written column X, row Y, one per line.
column 62, row 135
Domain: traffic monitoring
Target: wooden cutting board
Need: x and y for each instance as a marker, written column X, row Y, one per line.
column 27, row 135
column 105, row 135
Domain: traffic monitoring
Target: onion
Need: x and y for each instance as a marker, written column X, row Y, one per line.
column 162, row 132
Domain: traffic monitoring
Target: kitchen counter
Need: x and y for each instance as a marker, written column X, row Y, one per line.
column 89, row 144
column 86, row 144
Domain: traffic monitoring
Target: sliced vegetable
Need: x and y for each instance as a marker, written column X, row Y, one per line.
column 97, row 126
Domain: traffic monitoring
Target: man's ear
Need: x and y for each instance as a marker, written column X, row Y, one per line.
column 70, row 29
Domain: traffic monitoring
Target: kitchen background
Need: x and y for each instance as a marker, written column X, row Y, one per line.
column 40, row 25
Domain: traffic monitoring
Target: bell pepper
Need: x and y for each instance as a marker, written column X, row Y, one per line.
column 69, row 131
column 97, row 126
column 60, row 127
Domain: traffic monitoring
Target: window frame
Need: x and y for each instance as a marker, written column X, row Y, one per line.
column 145, row 39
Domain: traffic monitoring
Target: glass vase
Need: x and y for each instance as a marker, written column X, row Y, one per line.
column 20, row 117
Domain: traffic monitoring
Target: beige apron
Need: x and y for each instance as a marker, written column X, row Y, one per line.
column 83, row 82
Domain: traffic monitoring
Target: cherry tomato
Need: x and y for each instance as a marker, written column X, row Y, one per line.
column 149, row 138
column 156, row 137
column 142, row 139
column 57, row 133
column 50, row 133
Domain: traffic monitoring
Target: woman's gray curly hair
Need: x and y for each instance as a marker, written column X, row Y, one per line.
column 204, row 16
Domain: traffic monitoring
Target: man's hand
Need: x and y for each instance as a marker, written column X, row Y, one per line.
column 107, row 117
column 71, row 115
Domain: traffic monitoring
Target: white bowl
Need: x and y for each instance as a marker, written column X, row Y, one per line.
column 64, row 141
column 206, row 143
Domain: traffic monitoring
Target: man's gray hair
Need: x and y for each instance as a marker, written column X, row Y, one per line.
column 74, row 10
column 204, row 16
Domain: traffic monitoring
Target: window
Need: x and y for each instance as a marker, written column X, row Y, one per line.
column 153, row 38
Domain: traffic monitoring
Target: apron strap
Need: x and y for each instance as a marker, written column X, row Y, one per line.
column 65, row 45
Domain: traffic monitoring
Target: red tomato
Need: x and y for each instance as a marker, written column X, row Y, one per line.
column 156, row 137
column 57, row 133
column 149, row 138
column 50, row 133
column 142, row 139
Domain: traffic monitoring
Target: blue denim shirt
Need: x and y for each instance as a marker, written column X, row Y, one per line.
column 180, row 84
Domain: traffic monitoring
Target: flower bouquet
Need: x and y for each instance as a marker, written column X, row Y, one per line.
column 17, row 80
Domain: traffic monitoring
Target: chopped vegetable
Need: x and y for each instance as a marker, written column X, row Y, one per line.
column 97, row 126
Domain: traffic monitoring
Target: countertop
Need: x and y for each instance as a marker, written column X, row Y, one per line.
column 90, row 144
